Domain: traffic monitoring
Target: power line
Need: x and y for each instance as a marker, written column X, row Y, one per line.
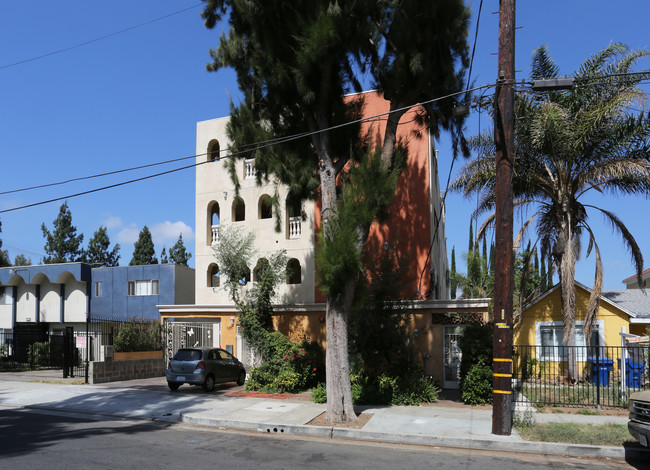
column 106, row 36
column 251, row 147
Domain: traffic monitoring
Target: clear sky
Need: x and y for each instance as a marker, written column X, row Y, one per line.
column 134, row 98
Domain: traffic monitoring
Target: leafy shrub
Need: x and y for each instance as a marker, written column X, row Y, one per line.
column 39, row 354
column 138, row 335
column 477, row 384
column 291, row 367
column 412, row 389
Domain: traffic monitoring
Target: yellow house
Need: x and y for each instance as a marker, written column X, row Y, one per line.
column 538, row 336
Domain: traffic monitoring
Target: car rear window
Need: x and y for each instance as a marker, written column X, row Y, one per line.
column 187, row 355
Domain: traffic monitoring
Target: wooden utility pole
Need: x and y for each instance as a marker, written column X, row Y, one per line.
column 503, row 282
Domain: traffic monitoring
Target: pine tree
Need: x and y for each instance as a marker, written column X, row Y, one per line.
column 63, row 245
column 98, row 253
column 143, row 250
column 294, row 68
column 543, row 286
column 453, row 278
column 178, row 254
column 163, row 256
column 22, row 260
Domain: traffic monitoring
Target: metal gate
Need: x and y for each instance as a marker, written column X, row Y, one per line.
column 185, row 334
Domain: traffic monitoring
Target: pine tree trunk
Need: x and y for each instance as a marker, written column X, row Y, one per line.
column 339, row 393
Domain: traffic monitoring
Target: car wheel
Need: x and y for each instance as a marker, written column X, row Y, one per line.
column 242, row 378
column 208, row 385
column 173, row 386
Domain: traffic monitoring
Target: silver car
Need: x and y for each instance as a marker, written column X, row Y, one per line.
column 639, row 424
column 205, row 367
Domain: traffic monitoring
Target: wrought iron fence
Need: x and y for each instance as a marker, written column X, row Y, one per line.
column 602, row 375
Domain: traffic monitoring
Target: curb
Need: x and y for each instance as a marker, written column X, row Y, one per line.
column 550, row 448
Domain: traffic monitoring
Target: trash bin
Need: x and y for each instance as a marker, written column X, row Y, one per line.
column 600, row 369
column 633, row 374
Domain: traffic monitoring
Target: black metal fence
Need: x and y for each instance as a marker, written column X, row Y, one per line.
column 579, row 376
column 71, row 348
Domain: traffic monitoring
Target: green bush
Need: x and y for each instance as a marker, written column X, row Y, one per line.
column 39, row 354
column 138, row 335
column 290, row 368
column 412, row 389
column 477, row 385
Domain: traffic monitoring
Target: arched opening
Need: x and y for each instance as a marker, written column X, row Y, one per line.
column 214, row 217
column 214, row 276
column 294, row 274
column 213, row 151
column 247, row 277
column 262, row 264
column 265, row 207
column 238, row 210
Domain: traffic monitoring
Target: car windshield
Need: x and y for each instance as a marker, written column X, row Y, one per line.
column 187, row 355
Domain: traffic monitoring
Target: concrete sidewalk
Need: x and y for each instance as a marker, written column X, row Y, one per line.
column 432, row 425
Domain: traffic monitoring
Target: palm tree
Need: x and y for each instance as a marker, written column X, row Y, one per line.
column 567, row 144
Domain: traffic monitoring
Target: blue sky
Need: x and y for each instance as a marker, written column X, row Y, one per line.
column 134, row 99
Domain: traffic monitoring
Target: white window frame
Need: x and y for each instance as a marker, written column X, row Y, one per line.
column 144, row 287
column 558, row 327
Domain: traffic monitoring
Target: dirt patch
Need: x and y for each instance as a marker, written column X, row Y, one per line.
column 361, row 421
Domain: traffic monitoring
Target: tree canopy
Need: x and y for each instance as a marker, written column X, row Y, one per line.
column 4, row 255
column 143, row 250
column 294, row 62
column 63, row 245
column 178, row 254
column 569, row 144
column 98, row 252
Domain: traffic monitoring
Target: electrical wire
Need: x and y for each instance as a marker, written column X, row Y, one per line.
column 106, row 36
column 253, row 146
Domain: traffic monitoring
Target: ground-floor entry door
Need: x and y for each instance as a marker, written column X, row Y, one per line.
column 452, row 355
column 191, row 334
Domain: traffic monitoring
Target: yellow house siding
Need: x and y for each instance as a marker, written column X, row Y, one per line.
column 550, row 309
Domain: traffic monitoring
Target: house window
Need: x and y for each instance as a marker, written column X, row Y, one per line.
column 148, row 287
column 5, row 296
column 550, row 340
column 98, row 288
column 294, row 275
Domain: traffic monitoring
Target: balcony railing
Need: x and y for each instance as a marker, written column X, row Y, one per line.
column 294, row 227
column 249, row 168
column 215, row 234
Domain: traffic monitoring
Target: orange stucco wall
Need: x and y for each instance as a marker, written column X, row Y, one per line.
column 408, row 229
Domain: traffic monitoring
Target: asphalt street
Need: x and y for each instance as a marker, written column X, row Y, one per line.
column 31, row 439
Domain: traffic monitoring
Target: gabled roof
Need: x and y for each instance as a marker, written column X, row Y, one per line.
column 635, row 304
column 634, row 300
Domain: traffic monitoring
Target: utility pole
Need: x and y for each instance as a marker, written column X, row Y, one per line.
column 503, row 288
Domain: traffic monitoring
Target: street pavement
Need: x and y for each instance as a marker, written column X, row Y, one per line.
column 441, row 424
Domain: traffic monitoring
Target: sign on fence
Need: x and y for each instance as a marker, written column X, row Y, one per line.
column 80, row 342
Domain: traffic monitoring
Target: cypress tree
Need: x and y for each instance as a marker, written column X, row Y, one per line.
column 143, row 251
column 98, row 253
column 453, row 279
column 62, row 245
column 178, row 254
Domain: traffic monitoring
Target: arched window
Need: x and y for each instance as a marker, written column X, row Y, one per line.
column 238, row 210
column 246, row 279
column 213, row 151
column 265, row 207
column 261, row 264
column 294, row 274
column 214, row 276
column 212, row 235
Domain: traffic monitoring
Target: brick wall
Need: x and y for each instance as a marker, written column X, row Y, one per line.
column 113, row 371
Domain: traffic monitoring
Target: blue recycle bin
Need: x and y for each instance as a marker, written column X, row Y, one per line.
column 633, row 373
column 600, row 369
